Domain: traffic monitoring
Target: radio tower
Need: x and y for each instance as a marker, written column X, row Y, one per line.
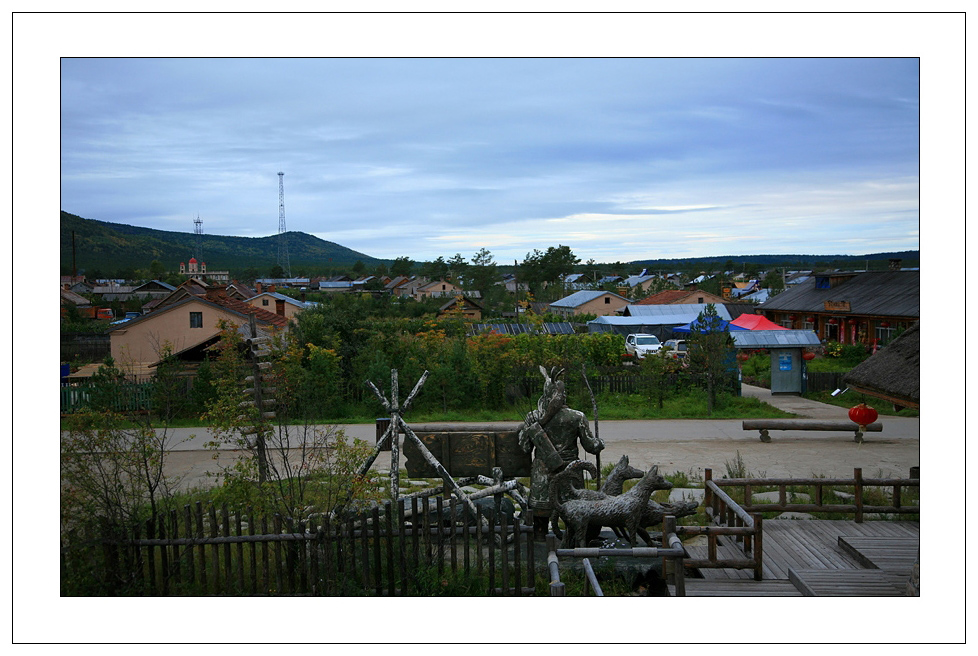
column 283, row 244
column 198, row 239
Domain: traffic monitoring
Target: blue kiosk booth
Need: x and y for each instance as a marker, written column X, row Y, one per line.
column 788, row 368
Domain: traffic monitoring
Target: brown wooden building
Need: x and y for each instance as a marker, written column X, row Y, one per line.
column 849, row 307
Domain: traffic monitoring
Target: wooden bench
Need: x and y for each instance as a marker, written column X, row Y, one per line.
column 765, row 425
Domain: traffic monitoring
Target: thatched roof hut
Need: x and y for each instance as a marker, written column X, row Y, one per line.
column 892, row 374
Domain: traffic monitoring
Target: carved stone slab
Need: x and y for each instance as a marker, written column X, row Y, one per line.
column 467, row 453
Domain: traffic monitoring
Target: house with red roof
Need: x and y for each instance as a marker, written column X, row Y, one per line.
column 186, row 320
column 677, row 296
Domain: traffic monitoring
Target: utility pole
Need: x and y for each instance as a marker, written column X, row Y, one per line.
column 283, row 244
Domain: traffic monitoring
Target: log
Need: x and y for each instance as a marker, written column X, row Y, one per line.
column 809, row 425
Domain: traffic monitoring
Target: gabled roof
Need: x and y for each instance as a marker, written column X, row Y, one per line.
column 154, row 285
column 280, row 297
column 892, row 373
column 425, row 286
column 631, row 281
column 664, row 297
column 71, row 298
column 244, row 291
column 578, row 299
column 465, row 299
column 232, row 305
column 674, row 309
column 879, row 293
column 758, row 339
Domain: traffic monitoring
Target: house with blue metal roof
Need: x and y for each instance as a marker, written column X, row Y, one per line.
column 593, row 301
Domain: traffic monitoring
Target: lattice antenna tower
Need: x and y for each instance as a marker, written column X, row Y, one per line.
column 199, row 240
column 283, row 244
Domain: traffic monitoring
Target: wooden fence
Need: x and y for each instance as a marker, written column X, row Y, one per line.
column 824, row 488
column 821, row 381
column 390, row 551
column 126, row 397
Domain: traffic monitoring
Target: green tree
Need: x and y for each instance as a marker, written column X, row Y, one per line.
column 458, row 270
column 543, row 269
column 710, row 352
column 437, row 269
column 774, row 281
column 276, row 271
column 156, row 269
column 402, row 266
column 485, row 277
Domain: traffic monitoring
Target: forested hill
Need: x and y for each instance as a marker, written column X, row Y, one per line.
column 110, row 247
column 738, row 263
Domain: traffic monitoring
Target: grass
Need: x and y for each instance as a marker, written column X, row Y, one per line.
column 691, row 405
column 850, row 398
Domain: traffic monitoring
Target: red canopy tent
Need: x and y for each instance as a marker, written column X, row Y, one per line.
column 756, row 322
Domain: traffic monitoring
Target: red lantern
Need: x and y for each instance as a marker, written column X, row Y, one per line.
column 833, row 321
column 808, row 355
column 792, row 317
column 811, row 319
column 862, row 414
column 884, row 324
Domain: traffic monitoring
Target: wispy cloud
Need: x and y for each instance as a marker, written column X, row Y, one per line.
column 620, row 159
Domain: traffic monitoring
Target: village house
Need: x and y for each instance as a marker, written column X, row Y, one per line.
column 280, row 304
column 680, row 296
column 435, row 289
column 595, row 302
column 185, row 320
column 461, row 307
column 850, row 307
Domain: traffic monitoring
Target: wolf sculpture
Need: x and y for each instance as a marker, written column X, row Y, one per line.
column 624, row 510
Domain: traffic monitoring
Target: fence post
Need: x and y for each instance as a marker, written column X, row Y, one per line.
column 758, row 549
column 556, row 587
column 708, row 494
column 857, row 475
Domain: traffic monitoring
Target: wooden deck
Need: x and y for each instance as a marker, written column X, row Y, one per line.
column 817, row 558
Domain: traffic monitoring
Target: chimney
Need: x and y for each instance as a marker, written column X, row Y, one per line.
column 895, row 263
column 258, row 287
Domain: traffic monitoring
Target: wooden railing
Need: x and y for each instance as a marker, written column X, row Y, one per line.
column 672, row 560
column 857, row 507
column 732, row 520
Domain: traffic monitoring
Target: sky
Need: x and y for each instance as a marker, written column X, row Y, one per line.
column 621, row 159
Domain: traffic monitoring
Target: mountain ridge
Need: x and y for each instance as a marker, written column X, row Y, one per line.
column 114, row 246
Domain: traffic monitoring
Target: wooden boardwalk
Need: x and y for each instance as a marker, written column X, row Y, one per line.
column 817, row 558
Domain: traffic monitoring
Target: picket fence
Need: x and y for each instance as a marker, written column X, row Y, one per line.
column 383, row 552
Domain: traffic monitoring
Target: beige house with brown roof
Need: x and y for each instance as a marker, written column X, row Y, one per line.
column 436, row 289
column 183, row 321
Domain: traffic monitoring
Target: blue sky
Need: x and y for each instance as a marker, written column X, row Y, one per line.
column 620, row 159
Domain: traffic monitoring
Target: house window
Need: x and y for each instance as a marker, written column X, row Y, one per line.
column 884, row 334
column 607, row 300
column 699, row 299
column 264, row 301
column 196, row 319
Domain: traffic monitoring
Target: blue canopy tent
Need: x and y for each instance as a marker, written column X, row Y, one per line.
column 723, row 325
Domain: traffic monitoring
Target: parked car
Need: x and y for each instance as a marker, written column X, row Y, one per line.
column 641, row 344
column 674, row 348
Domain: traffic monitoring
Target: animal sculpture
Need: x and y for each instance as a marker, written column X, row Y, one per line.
column 578, row 514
